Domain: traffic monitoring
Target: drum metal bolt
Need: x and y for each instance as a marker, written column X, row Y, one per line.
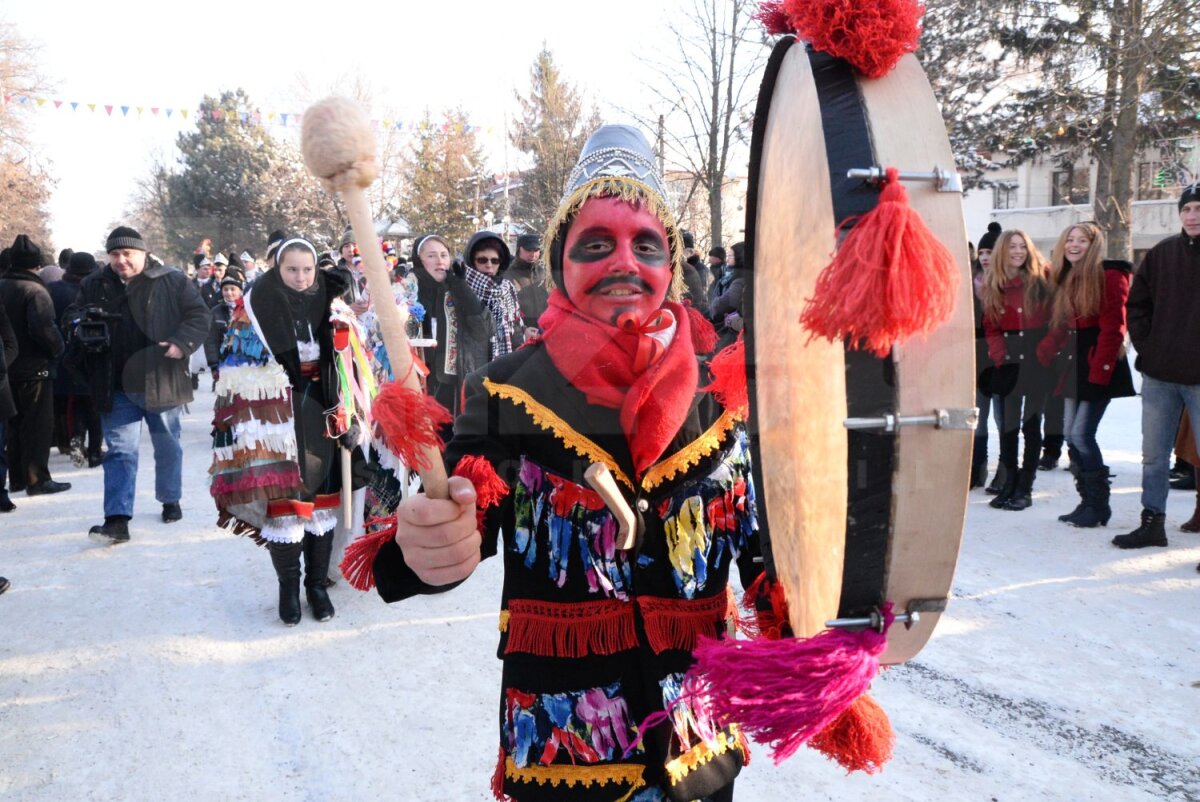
column 942, row 180
column 965, row 419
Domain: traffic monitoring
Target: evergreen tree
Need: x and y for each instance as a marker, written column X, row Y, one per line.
column 446, row 181
column 551, row 130
column 1077, row 79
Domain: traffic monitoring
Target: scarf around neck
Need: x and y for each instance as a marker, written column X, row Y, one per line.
column 629, row 369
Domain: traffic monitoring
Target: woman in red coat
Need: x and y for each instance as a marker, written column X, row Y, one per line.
column 1088, row 328
column 1016, row 311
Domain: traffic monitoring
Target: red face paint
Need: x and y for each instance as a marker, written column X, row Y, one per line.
column 616, row 259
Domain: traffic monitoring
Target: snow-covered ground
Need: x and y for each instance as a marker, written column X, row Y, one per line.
column 1065, row 669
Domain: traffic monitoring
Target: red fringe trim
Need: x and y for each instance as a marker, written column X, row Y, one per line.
column 891, row 278
column 570, row 629
column 728, row 385
column 860, row 739
column 357, row 564
column 704, row 336
column 490, row 489
column 766, row 602
column 870, row 34
column 498, row 778
column 679, row 623
column 408, row 422
column 284, row 476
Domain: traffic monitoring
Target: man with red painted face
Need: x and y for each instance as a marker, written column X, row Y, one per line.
column 598, row 632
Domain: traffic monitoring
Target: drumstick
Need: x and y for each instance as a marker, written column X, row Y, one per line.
column 339, row 149
column 347, row 491
column 602, row 481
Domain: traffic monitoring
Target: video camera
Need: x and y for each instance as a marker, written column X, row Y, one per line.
column 91, row 329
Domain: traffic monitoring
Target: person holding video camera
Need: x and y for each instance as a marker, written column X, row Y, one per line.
column 135, row 323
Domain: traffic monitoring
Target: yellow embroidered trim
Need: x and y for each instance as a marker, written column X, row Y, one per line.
column 703, row 752
column 548, row 420
column 692, row 453
column 624, row 773
column 504, row 616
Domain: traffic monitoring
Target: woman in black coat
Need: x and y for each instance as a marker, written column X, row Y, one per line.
column 8, row 353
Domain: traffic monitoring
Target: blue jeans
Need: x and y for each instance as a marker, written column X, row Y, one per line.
column 1082, row 421
column 123, row 432
column 1162, row 407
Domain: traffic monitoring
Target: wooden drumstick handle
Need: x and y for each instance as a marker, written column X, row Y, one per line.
column 602, row 481
column 339, row 148
column 347, row 491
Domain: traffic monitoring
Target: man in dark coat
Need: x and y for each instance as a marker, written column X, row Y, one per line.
column 40, row 346
column 75, row 416
column 597, row 630
column 529, row 276
column 693, row 275
column 152, row 319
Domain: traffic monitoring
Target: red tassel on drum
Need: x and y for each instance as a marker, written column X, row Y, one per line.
column 408, row 421
column 785, row 692
column 728, row 384
column 891, row 278
column 860, row 739
column 870, row 34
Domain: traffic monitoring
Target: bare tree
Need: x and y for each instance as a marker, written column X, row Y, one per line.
column 24, row 183
column 706, row 90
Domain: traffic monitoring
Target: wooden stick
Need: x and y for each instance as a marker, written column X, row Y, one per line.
column 347, row 491
column 602, row 481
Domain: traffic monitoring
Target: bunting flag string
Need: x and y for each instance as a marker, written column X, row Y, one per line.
column 281, row 119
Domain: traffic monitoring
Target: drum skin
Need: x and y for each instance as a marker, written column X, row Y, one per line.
column 851, row 520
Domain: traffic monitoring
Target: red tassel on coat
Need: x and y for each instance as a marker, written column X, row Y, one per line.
column 490, row 489
column 728, row 386
column 358, row 563
column 870, row 34
column 860, row 739
column 891, row 279
column 408, row 421
column 704, row 336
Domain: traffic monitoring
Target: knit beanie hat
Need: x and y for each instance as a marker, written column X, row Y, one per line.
column 1190, row 193
column 718, row 252
column 124, row 237
column 234, row 277
column 82, row 264
column 988, row 241
column 25, row 255
column 273, row 242
column 347, row 237
column 64, row 257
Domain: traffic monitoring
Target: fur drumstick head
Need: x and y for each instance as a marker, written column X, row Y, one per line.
column 338, row 145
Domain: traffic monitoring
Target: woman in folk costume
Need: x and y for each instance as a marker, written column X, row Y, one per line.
column 1016, row 312
column 454, row 317
column 1088, row 328
column 487, row 260
column 275, row 469
column 597, row 631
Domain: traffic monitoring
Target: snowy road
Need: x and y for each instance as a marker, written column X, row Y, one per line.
column 1064, row 669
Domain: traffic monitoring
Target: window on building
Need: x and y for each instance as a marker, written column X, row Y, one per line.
column 1004, row 197
column 1069, row 186
column 1153, row 180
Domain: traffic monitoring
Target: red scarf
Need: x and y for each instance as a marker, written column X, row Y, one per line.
column 601, row 360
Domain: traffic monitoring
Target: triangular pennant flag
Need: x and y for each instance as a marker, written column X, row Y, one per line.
column 387, row 123
column 58, row 104
column 245, row 116
column 7, row 98
column 91, row 107
column 271, row 116
column 23, row 98
column 170, row 112
column 231, row 115
column 283, row 119
column 216, row 114
column 41, row 101
column 154, row 110
column 258, row 116
column 74, row 105
column 183, row 113
column 140, row 109
column 108, row 108
column 124, row 111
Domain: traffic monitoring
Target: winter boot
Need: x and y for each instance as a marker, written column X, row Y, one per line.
column 1152, row 532
column 317, row 551
column 1096, row 511
column 998, row 481
column 1049, row 460
column 1186, row 481
column 1082, row 505
column 978, row 474
column 286, row 559
column 6, row 504
column 1193, row 525
column 1022, row 495
column 1009, row 487
column 115, row 529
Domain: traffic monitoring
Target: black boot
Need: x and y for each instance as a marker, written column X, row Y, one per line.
column 286, row 559
column 6, row 504
column 1152, row 532
column 1191, row 525
column 1079, row 508
column 317, row 551
column 115, row 529
column 1186, row 481
column 1049, row 460
column 998, row 481
column 1096, row 511
column 978, row 474
column 1022, row 495
column 1006, row 491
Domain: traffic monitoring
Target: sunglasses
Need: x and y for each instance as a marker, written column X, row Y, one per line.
column 487, row 260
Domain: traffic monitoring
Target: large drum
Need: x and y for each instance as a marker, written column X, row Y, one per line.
column 862, row 462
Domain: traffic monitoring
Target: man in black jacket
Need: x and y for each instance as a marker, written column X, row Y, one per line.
column 529, row 276
column 1164, row 324
column 143, row 319
column 39, row 347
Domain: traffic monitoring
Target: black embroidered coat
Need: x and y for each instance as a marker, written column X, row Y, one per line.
column 594, row 639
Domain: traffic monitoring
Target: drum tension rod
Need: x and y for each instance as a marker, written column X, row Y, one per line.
column 940, row 419
column 943, row 180
column 911, row 616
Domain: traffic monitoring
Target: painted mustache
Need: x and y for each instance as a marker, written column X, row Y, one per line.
column 609, row 281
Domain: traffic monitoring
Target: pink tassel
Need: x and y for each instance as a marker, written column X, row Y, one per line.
column 784, row 692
